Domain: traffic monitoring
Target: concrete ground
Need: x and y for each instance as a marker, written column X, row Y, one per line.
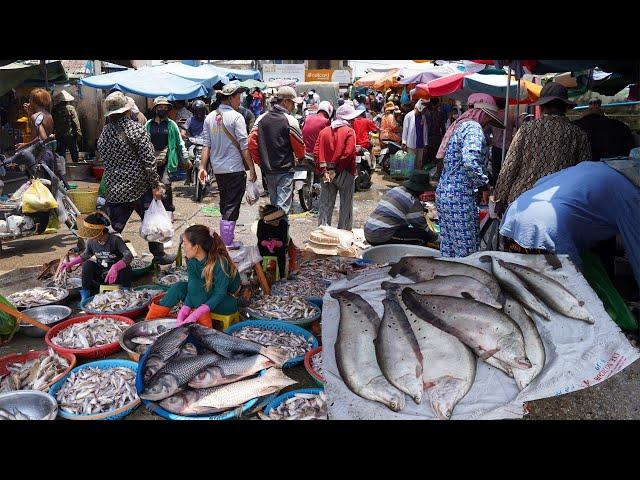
column 615, row 398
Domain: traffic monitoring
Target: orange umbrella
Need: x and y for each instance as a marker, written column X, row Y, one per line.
column 368, row 80
column 387, row 80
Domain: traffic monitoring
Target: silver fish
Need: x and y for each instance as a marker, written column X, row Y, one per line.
column 34, row 297
column 14, row 415
column 551, row 292
column 398, row 352
column 94, row 332
column 356, row 354
column 487, row 330
column 281, row 308
column 448, row 365
column 118, row 300
column 35, row 374
column 316, row 364
column 293, row 345
column 173, row 275
column 302, row 406
column 229, row 371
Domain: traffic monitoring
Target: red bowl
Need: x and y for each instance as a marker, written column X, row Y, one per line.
column 25, row 357
column 97, row 172
column 93, row 352
column 309, row 367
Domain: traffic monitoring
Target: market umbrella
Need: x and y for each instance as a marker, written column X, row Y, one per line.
column 368, row 80
column 387, row 80
column 251, row 84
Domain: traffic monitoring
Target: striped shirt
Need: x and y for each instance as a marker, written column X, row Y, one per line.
column 397, row 209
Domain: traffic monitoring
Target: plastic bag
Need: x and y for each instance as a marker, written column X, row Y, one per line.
column 156, row 225
column 62, row 213
column 38, row 198
column 253, row 193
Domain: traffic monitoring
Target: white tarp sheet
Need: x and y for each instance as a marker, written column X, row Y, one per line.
column 578, row 355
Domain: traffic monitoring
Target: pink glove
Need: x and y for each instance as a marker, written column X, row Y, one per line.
column 197, row 313
column 71, row 263
column 271, row 244
column 183, row 314
column 114, row 270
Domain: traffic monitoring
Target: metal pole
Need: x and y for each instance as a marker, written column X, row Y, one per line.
column 515, row 123
column 506, row 114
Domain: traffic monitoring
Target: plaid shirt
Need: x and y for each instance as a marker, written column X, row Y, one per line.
column 129, row 161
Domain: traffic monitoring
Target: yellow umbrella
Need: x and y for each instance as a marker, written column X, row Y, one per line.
column 533, row 90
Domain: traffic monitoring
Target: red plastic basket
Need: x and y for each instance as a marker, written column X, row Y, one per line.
column 307, row 365
column 97, row 172
column 93, row 352
column 25, row 357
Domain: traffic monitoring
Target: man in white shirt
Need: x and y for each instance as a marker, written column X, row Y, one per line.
column 183, row 114
column 226, row 144
column 414, row 133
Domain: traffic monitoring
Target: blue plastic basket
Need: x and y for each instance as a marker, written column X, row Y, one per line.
column 302, row 322
column 317, row 301
column 102, row 364
column 154, row 407
column 281, row 398
column 278, row 326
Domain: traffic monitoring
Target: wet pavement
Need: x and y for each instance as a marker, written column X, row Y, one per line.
column 616, row 398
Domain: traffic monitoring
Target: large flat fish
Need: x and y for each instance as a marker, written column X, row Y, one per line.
column 421, row 269
column 448, row 365
column 533, row 345
column 398, row 352
column 486, row 330
column 454, row 286
column 551, row 292
column 356, row 353
column 512, row 284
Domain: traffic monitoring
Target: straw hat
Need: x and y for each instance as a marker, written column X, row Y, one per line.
column 115, row 102
column 63, row 96
column 389, row 107
column 89, row 230
column 321, row 249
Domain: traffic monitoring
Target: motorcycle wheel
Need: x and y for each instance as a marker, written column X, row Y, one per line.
column 198, row 192
column 306, row 197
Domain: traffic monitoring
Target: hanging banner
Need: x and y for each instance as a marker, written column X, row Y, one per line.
column 343, row 77
column 273, row 72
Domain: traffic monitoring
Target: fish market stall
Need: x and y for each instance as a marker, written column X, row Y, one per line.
column 548, row 353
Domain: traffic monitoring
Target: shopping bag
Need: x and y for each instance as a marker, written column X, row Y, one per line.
column 253, row 193
column 38, row 198
column 156, row 225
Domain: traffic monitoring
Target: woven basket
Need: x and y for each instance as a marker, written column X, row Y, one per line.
column 84, row 199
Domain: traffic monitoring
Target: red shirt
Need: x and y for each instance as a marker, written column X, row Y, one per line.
column 336, row 150
column 363, row 126
column 311, row 129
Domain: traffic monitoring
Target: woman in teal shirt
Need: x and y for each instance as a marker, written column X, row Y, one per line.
column 213, row 284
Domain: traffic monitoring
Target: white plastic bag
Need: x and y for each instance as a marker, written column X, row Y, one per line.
column 253, row 193
column 156, row 225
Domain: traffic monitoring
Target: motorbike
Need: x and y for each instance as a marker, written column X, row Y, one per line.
column 305, row 182
column 195, row 153
column 389, row 149
column 363, row 169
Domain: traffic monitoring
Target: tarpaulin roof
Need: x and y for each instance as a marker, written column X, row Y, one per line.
column 204, row 76
column 148, row 82
column 369, row 79
column 427, row 73
column 387, row 80
column 233, row 73
column 15, row 74
column 251, row 84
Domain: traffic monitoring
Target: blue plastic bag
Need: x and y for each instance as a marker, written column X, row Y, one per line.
column 404, row 98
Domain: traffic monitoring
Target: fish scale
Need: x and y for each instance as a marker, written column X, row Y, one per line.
column 229, row 370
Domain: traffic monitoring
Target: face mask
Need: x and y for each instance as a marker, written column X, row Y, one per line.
column 162, row 113
column 420, row 106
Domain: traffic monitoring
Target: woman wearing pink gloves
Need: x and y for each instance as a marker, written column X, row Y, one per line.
column 213, row 284
column 113, row 258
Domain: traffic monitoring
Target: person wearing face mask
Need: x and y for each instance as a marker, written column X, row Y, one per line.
column 169, row 147
column 335, row 154
column 415, row 133
column 464, row 149
column 194, row 125
column 276, row 145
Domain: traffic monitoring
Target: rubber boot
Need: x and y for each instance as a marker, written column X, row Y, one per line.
column 84, row 294
column 227, row 228
column 158, row 311
column 159, row 255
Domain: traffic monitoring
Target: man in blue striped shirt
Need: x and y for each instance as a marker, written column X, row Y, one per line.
column 399, row 217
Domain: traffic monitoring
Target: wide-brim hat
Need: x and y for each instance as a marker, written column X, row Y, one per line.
column 347, row 112
column 418, row 181
column 161, row 101
column 487, row 104
column 289, row 93
column 63, row 96
column 231, row 89
column 89, row 230
column 115, row 102
column 554, row 91
column 389, row 106
column 492, row 111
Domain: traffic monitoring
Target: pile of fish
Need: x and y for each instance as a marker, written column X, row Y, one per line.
column 301, row 286
column 147, row 338
column 217, row 375
column 301, row 406
column 281, row 308
column 139, row 263
column 14, row 415
column 121, row 300
column 94, row 332
column 173, row 275
column 323, row 268
column 95, row 390
column 37, row 296
column 34, row 374
column 432, row 331
column 294, row 345
column 316, row 364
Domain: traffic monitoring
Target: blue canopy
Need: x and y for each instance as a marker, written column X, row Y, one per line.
column 232, row 73
column 148, row 82
column 204, row 76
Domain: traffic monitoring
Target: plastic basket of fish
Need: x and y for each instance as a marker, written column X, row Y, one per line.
column 128, row 303
column 158, row 288
column 141, row 267
column 294, row 310
column 36, row 370
column 172, row 275
column 313, row 365
column 302, row 404
column 312, row 289
column 101, row 390
column 294, row 340
column 88, row 336
column 38, row 297
column 193, row 384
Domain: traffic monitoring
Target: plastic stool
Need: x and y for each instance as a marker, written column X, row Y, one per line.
column 109, row 288
column 225, row 320
column 265, row 265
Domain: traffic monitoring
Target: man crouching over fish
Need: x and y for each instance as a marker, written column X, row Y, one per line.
column 113, row 257
column 213, row 281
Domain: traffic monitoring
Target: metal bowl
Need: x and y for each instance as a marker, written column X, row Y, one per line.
column 74, row 285
column 55, row 302
column 50, row 315
column 392, row 253
column 143, row 329
column 34, row 404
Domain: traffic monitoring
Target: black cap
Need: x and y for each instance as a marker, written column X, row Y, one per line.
column 554, row 91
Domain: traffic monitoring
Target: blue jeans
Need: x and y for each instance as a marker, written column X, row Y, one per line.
column 280, row 187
